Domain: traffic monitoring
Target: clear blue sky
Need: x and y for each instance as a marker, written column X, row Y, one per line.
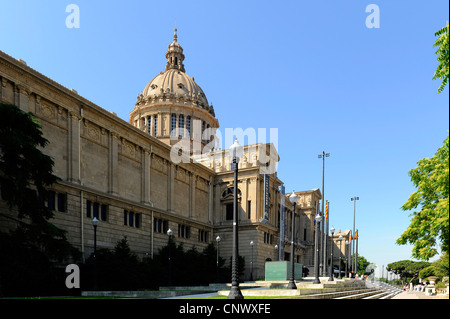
column 312, row 69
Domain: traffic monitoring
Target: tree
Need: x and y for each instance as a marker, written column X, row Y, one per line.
column 443, row 56
column 407, row 269
column 429, row 225
column 26, row 173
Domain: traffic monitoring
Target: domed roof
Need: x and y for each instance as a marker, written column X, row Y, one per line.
column 177, row 84
column 174, row 83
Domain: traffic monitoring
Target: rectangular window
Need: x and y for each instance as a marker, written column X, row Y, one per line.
column 62, row 202
column 51, row 200
column 181, row 126
column 249, row 209
column 304, row 234
column 155, row 126
column 160, row 225
column 130, row 219
column 125, row 217
column 188, row 127
column 173, row 125
column 95, row 207
column 229, row 213
column 103, row 212
column 137, row 220
column 88, row 209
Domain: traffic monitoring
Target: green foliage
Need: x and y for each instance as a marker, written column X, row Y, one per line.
column 25, row 172
column 362, row 265
column 407, row 269
column 121, row 269
column 427, row 272
column 430, row 224
column 443, row 56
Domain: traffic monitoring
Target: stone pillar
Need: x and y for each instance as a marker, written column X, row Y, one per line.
column 73, row 148
column 170, row 185
column 146, row 179
column 113, row 162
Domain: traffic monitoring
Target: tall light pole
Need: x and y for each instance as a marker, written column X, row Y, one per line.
column 324, row 231
column 346, row 258
column 293, row 199
column 340, row 258
column 217, row 261
column 251, row 262
column 95, row 224
column 331, row 251
column 235, row 152
column 317, row 257
column 169, row 233
column 354, row 199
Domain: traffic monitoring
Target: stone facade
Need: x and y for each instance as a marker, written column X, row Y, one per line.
column 123, row 173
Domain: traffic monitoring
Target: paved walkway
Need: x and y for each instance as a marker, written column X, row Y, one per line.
column 417, row 295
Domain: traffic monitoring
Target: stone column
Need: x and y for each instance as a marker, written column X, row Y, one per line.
column 146, row 180
column 73, row 148
column 113, row 162
column 170, row 185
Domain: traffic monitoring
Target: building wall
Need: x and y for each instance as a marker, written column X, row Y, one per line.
column 105, row 161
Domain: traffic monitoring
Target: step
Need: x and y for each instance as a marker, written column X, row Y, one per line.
column 378, row 296
column 360, row 295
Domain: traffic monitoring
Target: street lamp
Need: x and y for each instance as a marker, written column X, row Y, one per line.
column 169, row 233
column 235, row 152
column 340, row 259
column 316, row 266
column 251, row 262
column 346, row 258
column 331, row 251
column 293, row 199
column 324, row 231
column 354, row 199
column 276, row 252
column 217, row 262
column 95, row 224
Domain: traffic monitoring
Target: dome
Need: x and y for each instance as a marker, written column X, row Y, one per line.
column 174, row 83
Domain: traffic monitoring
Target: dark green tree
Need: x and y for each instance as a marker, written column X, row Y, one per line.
column 29, row 250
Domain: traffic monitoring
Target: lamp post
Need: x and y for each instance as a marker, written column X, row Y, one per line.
column 95, row 224
column 169, row 233
column 217, row 262
column 340, row 259
column 354, row 199
column 324, row 231
column 293, row 199
column 276, row 252
column 251, row 261
column 235, row 152
column 346, row 258
column 331, row 251
column 316, row 266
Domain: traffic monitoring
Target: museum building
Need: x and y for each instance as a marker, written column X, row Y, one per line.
column 123, row 173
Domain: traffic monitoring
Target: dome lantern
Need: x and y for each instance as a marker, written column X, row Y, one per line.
column 174, row 55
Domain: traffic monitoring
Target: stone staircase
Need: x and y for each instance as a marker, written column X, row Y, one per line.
column 306, row 289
